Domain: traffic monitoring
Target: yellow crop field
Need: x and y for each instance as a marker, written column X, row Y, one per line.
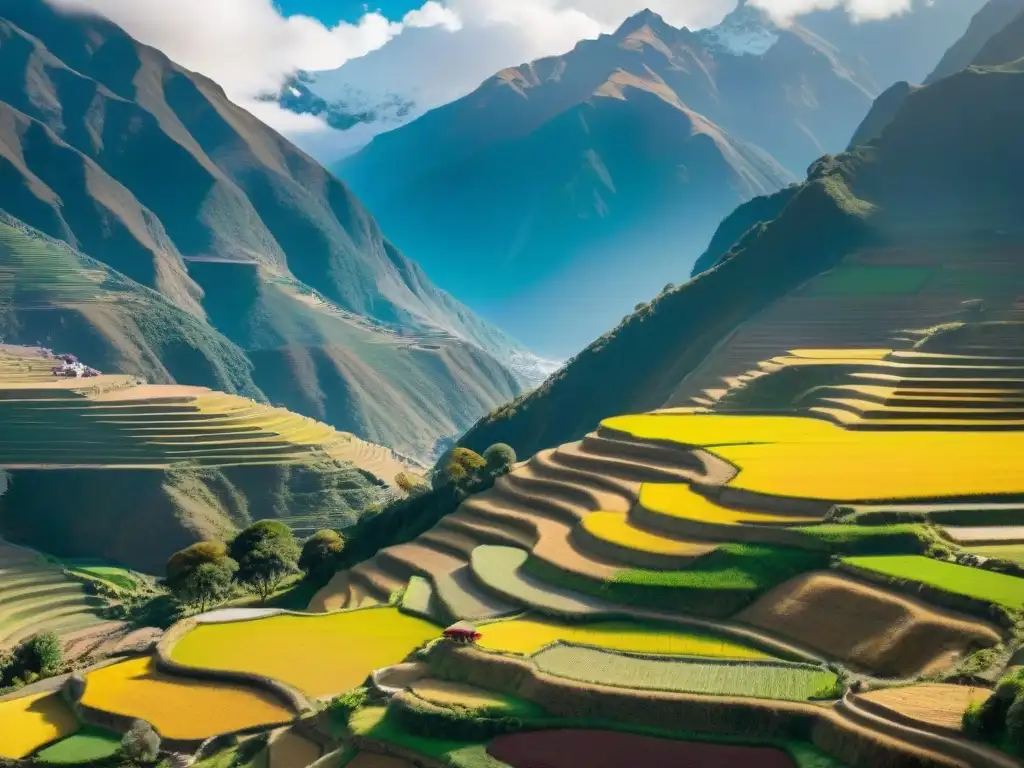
column 615, row 528
column 177, row 707
column 28, row 723
column 679, row 500
column 320, row 654
column 884, row 465
column 841, row 354
column 527, row 636
column 710, row 429
column 447, row 693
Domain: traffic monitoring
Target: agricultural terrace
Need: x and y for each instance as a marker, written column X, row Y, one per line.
column 121, row 578
column 33, row 721
column 758, row 679
column 88, row 744
column 36, row 596
column 679, row 501
column 527, row 636
column 461, row 696
column 179, row 708
column 617, row 529
column 996, row 588
column 319, row 654
column 1012, row 552
column 810, row 458
column 903, row 465
column 611, row 749
column 930, row 703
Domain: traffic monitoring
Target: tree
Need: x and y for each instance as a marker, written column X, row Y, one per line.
column 320, row 554
column 463, row 465
column 499, row 458
column 44, row 654
column 266, row 552
column 201, row 573
column 141, row 744
column 411, row 484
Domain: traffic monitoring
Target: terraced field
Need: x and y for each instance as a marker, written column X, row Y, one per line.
column 112, row 422
column 36, row 596
column 321, row 655
column 89, row 743
column 529, row 636
column 996, row 588
column 32, row 722
column 768, row 680
column 179, row 708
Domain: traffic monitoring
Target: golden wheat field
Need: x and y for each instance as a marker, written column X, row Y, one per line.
column 179, row 708
column 710, row 429
column 527, row 636
column 680, row 501
column 320, row 654
column 883, row 465
column 28, row 723
column 615, row 528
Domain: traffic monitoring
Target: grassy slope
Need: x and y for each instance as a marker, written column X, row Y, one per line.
column 50, row 291
column 928, row 176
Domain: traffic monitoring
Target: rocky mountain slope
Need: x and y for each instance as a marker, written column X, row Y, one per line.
column 149, row 169
column 561, row 166
column 945, row 172
column 992, row 18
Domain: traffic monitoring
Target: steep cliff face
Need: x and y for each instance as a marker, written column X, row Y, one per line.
column 148, row 168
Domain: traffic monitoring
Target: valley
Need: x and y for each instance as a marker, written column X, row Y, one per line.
column 269, row 498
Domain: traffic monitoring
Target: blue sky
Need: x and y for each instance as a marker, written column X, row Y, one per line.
column 330, row 12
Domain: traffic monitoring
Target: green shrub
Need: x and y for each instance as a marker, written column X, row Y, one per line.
column 499, row 458
column 266, row 553
column 141, row 744
column 320, row 554
column 1015, row 723
column 344, row 706
column 44, row 654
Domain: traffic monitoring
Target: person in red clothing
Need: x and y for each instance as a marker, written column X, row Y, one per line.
column 462, row 632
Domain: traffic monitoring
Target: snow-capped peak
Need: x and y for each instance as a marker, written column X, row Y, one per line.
column 747, row 31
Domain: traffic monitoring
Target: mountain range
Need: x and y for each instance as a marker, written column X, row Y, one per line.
column 270, row 277
column 935, row 195
column 523, row 197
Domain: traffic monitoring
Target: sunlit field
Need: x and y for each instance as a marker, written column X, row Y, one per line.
column 179, row 708
column 527, row 636
column 320, row 654
column 28, row 723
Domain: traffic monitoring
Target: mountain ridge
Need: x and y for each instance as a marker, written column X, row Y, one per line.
column 148, row 168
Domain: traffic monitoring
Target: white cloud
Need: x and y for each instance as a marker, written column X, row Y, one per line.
column 434, row 54
column 247, row 46
column 860, row 10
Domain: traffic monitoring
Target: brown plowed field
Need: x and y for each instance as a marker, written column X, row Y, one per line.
column 930, row 703
column 883, row 633
column 609, row 749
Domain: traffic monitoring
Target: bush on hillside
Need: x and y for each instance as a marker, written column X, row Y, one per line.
column 266, row 553
column 38, row 657
column 201, row 574
column 141, row 744
column 412, row 485
column 342, row 707
column 499, row 457
column 460, row 466
column 320, row 554
column 1001, row 716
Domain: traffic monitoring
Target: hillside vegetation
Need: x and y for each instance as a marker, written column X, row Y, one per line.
column 108, row 467
column 927, row 178
column 150, row 170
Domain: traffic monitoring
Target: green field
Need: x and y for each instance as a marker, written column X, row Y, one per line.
column 869, row 280
column 997, row 588
column 1012, row 552
column 119, row 577
column 88, row 744
column 718, row 584
column 763, row 680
